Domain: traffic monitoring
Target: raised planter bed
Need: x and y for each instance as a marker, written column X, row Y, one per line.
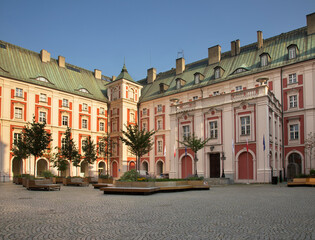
column 302, row 182
column 76, row 181
column 57, row 180
column 134, row 184
column 105, row 180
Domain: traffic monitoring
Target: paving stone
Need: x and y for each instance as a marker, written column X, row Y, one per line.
column 227, row 212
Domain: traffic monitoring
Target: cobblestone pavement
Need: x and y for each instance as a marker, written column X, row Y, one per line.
column 229, row 212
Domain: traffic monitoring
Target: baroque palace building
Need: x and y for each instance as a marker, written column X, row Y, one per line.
column 256, row 103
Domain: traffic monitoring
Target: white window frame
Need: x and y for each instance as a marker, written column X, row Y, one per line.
column 292, row 52
column 42, row 97
column 18, row 112
column 197, row 78
column 293, row 101
column 213, row 126
column 195, row 98
column 159, row 146
column 159, row 124
column 102, row 111
column 63, row 143
column 178, row 84
column 263, row 60
column 238, row 88
column 65, row 120
column 217, row 73
column 19, row 92
column 186, row 131
column 216, row 93
column 102, row 126
column 132, row 117
column 294, row 131
column 144, row 126
column 84, row 107
column 84, row 123
column 145, row 111
column 245, row 125
column 42, row 116
column 65, row 102
column 159, row 108
column 131, row 93
column 292, row 78
column 16, row 138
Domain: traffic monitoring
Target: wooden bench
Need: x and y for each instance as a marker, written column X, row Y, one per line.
column 99, row 185
column 310, row 181
column 41, row 184
column 75, row 182
column 302, row 182
column 130, row 190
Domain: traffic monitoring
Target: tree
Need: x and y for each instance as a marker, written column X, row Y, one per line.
column 310, row 144
column 138, row 141
column 195, row 144
column 89, row 150
column 59, row 162
column 105, row 148
column 68, row 151
column 34, row 141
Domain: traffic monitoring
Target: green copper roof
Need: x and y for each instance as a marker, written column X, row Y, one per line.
column 249, row 58
column 124, row 74
column 25, row 65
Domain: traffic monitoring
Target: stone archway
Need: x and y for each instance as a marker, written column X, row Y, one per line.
column 101, row 168
column 41, row 166
column 159, row 168
column 294, row 166
column 186, row 166
column 245, row 166
column 145, row 166
column 132, row 165
column 17, row 166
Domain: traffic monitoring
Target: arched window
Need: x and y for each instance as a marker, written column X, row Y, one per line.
column 84, row 90
column 292, row 51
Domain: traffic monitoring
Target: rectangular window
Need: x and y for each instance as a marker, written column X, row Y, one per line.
column 238, row 88
column 102, row 126
column 84, row 107
column 159, row 124
column 292, row 78
column 43, row 97
column 144, row 126
column 186, row 131
column 19, row 92
column 65, row 102
column 16, row 137
column 215, row 93
column 18, row 113
column 293, row 101
column 292, row 52
column 132, row 117
column 65, row 120
column 84, row 123
column 63, row 143
column 160, row 147
column 213, row 129
column 84, row 142
column 217, row 73
column 195, row 98
column 102, row 112
column 245, row 125
column 42, row 116
column 263, row 60
column 144, row 111
column 159, row 108
column 294, row 132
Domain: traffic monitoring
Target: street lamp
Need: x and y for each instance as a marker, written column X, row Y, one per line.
column 223, row 158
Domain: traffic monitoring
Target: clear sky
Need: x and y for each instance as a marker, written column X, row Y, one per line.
column 99, row 34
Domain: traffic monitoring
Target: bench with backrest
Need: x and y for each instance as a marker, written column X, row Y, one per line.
column 45, row 184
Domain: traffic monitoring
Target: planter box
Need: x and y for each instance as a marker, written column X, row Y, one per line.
column 198, row 183
column 57, row 180
column 24, row 181
column 134, row 184
column 77, row 181
column 104, row 180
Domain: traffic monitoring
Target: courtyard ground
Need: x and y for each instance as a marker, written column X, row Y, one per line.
column 226, row 212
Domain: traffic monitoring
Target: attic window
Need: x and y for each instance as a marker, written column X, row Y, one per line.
column 239, row 70
column 163, row 87
column 292, row 51
column 73, row 69
column 42, row 79
column 198, row 77
column 264, row 59
column 3, row 46
column 84, row 90
column 218, row 72
column 178, row 84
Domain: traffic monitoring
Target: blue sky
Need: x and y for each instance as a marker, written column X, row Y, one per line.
column 100, row 34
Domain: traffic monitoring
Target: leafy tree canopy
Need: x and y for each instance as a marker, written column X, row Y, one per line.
column 89, row 150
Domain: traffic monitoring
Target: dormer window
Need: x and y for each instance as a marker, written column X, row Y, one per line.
column 218, row 72
column 163, row 87
column 198, row 77
column 42, row 79
column 84, row 90
column 239, row 70
column 292, row 51
column 178, row 85
column 264, row 59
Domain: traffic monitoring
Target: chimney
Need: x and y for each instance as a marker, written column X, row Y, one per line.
column 310, row 21
column 260, row 40
column 113, row 78
column 97, row 74
column 180, row 65
column 151, row 75
column 45, row 56
column 237, row 47
column 61, row 61
column 214, row 54
column 233, row 48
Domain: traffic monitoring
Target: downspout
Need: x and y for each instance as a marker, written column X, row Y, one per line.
column 282, row 132
column 108, row 160
column 138, row 121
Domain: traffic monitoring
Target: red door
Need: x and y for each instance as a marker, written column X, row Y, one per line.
column 132, row 165
column 245, row 168
column 186, row 167
column 115, row 169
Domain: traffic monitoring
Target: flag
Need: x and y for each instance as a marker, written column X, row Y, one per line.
column 164, row 151
column 247, row 144
column 174, row 151
column 233, row 147
column 264, row 142
column 185, row 151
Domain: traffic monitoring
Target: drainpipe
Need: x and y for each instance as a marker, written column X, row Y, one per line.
column 282, row 144
column 138, row 121
column 108, row 160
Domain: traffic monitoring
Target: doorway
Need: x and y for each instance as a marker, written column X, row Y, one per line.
column 214, row 165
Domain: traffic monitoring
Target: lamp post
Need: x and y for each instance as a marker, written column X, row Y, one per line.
column 223, row 158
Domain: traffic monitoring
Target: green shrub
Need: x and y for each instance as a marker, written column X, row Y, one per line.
column 312, row 172
column 302, row 176
column 105, row 176
column 47, row 174
column 130, row 176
